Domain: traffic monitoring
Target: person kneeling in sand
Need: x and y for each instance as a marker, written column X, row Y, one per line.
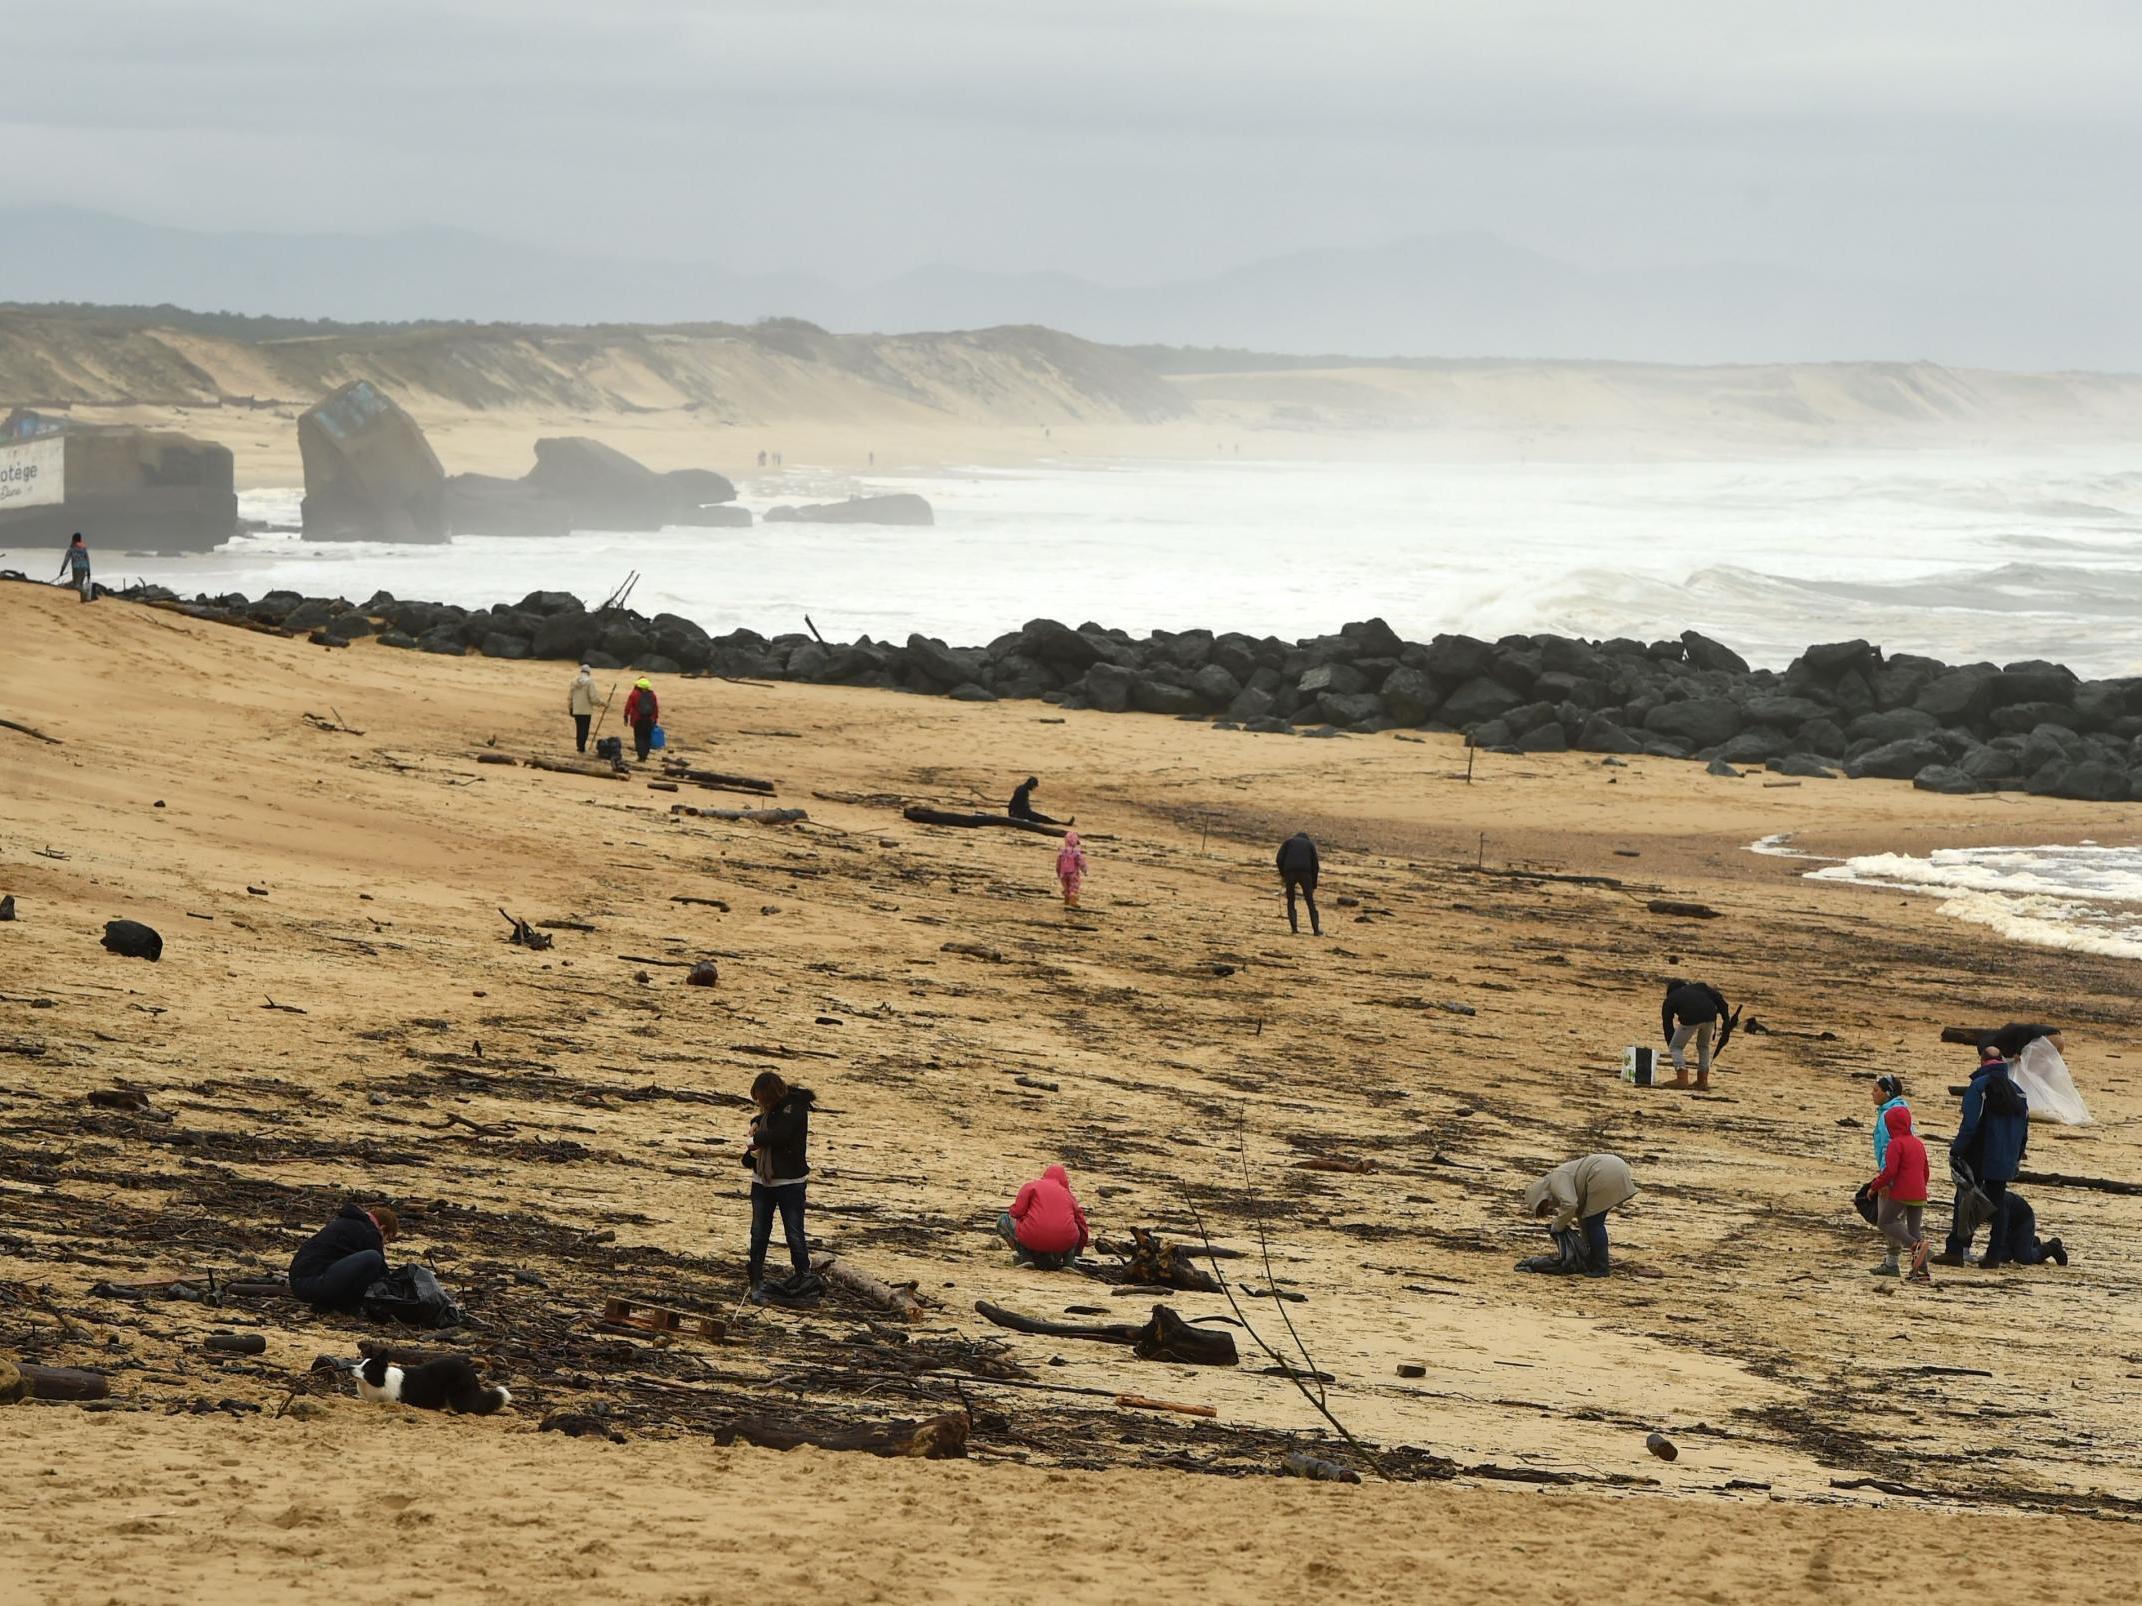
column 344, row 1258
column 1045, row 1226
column 1576, row 1198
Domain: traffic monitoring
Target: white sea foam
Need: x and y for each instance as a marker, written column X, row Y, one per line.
column 2083, row 897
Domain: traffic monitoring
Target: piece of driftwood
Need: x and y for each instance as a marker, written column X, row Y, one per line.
column 498, row 758
column 1550, row 875
column 1301, row 1464
column 899, row 1298
column 30, row 731
column 974, row 950
column 1681, row 911
column 755, row 816
column 564, row 925
column 715, row 778
column 236, row 1343
column 64, row 1382
column 2060, row 1179
column 937, row 1438
column 1332, row 1162
column 1158, row 1264
column 564, row 766
column 524, row 934
column 922, row 814
column 287, row 1009
column 705, row 903
column 335, row 726
column 1164, row 1337
column 1145, row 1402
column 661, row 786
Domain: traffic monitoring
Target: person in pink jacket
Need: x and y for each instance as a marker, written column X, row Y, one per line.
column 1071, row 868
column 1045, row 1227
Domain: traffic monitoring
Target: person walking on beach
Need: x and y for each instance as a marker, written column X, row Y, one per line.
column 1899, row 1192
column 344, row 1258
column 1692, row 1010
column 76, row 560
column 1576, row 1196
column 780, row 1172
column 1045, row 1226
column 1071, row 868
column 1888, row 1095
column 1022, row 807
column 580, row 702
column 642, row 708
column 1985, row 1155
column 1298, row 870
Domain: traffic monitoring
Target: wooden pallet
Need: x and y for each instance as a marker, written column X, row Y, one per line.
column 641, row 1316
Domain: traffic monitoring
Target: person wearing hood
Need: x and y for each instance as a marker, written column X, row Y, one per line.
column 1298, row 870
column 1888, row 1095
column 1577, row 1195
column 1899, row 1192
column 1071, row 868
column 1986, row 1153
column 344, row 1258
column 642, row 709
column 1022, row 807
column 1692, row 1009
column 581, row 703
column 780, row 1170
column 1045, row 1226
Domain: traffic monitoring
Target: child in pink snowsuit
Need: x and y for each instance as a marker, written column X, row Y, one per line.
column 1071, row 868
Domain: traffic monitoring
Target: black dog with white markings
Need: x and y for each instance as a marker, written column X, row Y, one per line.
column 447, row 1384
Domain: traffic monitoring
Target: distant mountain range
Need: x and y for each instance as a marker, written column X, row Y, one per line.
column 1453, row 295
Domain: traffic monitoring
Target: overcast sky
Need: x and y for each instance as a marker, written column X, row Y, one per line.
column 1126, row 140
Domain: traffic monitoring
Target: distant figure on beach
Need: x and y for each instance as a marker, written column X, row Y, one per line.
column 762, row 457
column 1298, row 870
column 1692, row 1010
column 873, row 459
column 1045, row 1226
column 1022, row 807
column 1071, row 868
column 2015, row 1234
column 1888, row 1095
column 1574, row 1199
column 1899, row 1193
column 642, row 709
column 1985, row 1156
column 344, row 1258
column 780, row 1171
column 581, row 703
column 76, row 559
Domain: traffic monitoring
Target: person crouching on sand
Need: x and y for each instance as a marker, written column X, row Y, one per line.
column 344, row 1258
column 1071, row 868
column 1577, row 1195
column 1899, row 1192
column 1045, row 1226
column 780, row 1170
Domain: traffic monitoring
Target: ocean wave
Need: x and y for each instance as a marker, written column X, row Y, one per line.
column 2082, row 897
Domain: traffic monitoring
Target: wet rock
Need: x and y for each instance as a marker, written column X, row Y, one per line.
column 1478, row 699
column 1341, row 679
column 901, row 508
column 497, row 645
column 1950, row 781
column 1722, row 769
column 1897, row 761
column 396, row 638
column 1704, row 653
column 1409, row 695
column 1801, row 765
column 1601, row 735
column 1702, row 721
column 1547, row 738
column 1894, row 726
column 486, row 504
column 1456, row 660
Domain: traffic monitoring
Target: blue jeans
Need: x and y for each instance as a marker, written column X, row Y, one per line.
column 1008, row 1230
column 341, row 1286
column 1596, row 1262
column 788, row 1199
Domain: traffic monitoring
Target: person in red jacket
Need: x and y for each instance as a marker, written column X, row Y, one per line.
column 642, row 709
column 1899, row 1192
column 1045, row 1227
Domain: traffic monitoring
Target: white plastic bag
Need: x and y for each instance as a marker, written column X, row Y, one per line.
column 2043, row 1076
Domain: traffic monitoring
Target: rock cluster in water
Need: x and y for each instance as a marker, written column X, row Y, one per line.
column 1840, row 708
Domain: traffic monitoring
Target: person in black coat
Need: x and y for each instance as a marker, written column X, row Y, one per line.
column 1692, row 1009
column 2015, row 1235
column 344, row 1258
column 1987, row 1150
column 1022, row 807
column 1298, row 869
column 780, row 1171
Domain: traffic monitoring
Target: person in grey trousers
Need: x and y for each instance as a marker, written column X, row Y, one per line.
column 76, row 558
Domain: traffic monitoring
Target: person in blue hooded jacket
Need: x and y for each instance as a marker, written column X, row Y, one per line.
column 1988, row 1149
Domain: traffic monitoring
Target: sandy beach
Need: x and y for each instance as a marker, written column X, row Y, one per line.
column 562, row 1127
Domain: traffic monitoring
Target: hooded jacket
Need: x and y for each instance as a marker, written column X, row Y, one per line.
column 1996, row 1125
column 1580, row 1188
column 1045, row 1216
column 779, row 1138
column 1691, row 1003
column 1881, row 1128
column 581, row 699
column 352, row 1232
column 1297, row 859
column 642, row 707
column 1905, row 1170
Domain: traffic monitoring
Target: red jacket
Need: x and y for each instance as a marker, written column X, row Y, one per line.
column 1905, row 1171
column 641, row 708
column 1046, row 1218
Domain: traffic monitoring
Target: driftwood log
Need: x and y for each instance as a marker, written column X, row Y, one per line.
column 717, row 780
column 1145, row 1402
column 937, row 1438
column 1301, row 1464
column 2059, row 1179
column 756, row 816
column 1682, row 911
column 1163, row 1337
column 566, row 766
column 921, row 814
column 899, row 1298
column 64, row 1382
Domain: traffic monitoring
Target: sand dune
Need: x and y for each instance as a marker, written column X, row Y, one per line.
column 1198, row 1053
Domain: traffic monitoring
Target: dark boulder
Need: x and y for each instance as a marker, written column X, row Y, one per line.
column 1560, row 655
column 1548, row 738
column 2092, row 780
column 1948, row 780
column 1149, row 695
column 1758, row 745
column 550, row 602
column 130, row 939
column 701, row 488
column 1704, row 653
column 396, row 638
column 1348, row 708
column 935, row 661
column 600, row 487
column 1251, row 704
column 445, row 640
column 1107, row 687
column 1960, row 697
column 1897, row 761
column 2020, row 719
column 1803, row 766
column 1478, row 699
column 563, row 635
column 497, row 645
column 370, row 475
column 1788, row 713
column 1989, row 764
column 2033, row 681
column 1215, row 687
column 1830, row 661
column 1702, row 721
column 903, row 507
column 1893, row 726
column 1602, row 735
column 971, row 693
column 1410, row 695
column 1453, row 660
column 1340, row 679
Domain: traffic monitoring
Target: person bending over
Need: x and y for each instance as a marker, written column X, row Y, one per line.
column 1298, row 870
column 2015, row 1233
column 1577, row 1196
column 1045, row 1226
column 1022, row 807
column 344, row 1258
column 1692, row 1010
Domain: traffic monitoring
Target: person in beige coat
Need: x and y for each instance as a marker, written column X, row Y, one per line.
column 581, row 702
column 1577, row 1196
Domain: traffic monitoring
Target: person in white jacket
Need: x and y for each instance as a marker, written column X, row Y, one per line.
column 581, row 702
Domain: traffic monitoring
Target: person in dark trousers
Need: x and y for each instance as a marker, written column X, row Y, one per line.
column 1986, row 1153
column 1298, row 871
column 581, row 702
column 1022, row 807
column 780, row 1170
column 76, row 560
column 642, row 709
column 1575, row 1197
column 2015, row 1233
column 1692, row 1009
column 1045, row 1226
column 344, row 1258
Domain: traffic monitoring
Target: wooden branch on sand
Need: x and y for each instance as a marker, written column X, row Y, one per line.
column 566, row 766
column 716, row 779
column 1164, row 1337
column 756, row 816
column 1144, row 1402
column 2057, row 1179
column 922, row 814
column 899, row 1298
column 937, row 1438
column 28, row 730
column 64, row 1382
column 526, row 935
column 1682, row 911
